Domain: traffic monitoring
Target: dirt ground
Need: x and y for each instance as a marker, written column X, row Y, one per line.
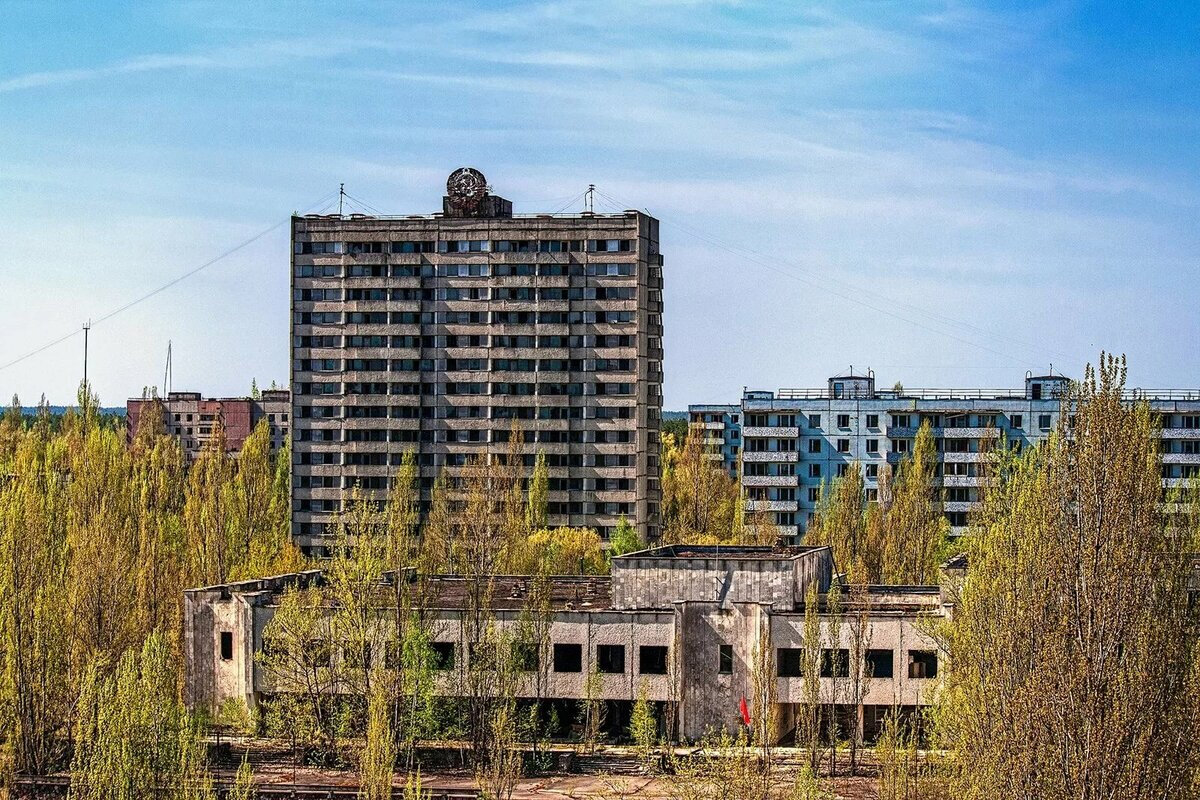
column 612, row 777
column 612, row 787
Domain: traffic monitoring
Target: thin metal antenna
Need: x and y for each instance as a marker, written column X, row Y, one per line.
column 341, row 195
column 168, row 374
column 590, row 201
column 87, row 326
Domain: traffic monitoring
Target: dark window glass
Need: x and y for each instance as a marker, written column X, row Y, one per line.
column 879, row 663
column 835, row 663
column 443, row 655
column 610, row 658
column 922, row 664
column 568, row 658
column 725, row 660
column 652, row 660
column 789, row 662
column 525, row 656
column 226, row 645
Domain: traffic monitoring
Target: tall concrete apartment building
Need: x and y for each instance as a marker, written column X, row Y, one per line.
column 435, row 332
column 193, row 419
column 796, row 439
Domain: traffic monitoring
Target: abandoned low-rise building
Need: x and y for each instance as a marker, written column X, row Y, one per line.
column 684, row 624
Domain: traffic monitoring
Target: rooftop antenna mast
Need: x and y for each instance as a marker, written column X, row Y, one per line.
column 168, row 374
column 590, row 199
column 341, row 196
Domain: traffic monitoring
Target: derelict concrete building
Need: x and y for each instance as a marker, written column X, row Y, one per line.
column 686, row 624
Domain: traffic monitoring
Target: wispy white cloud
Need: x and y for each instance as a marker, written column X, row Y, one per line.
column 259, row 55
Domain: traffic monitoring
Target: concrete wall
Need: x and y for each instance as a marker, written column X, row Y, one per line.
column 654, row 581
column 709, row 701
column 899, row 632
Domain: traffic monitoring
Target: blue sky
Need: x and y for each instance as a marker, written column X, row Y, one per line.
column 949, row 193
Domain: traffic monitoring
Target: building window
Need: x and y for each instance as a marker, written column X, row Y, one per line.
column 1044, row 421
column 814, row 445
column 725, row 659
column 443, row 655
column 226, row 645
column 901, row 445
column 872, row 470
column 814, row 494
column 525, row 656
column 843, row 420
column 789, row 662
column 922, row 664
column 872, row 420
column 835, row 663
column 872, row 445
column 814, row 420
column 841, row 470
column 610, row 658
column 568, row 658
column 900, row 420
column 814, row 470
column 843, row 445
column 1017, row 420
column 652, row 660
column 879, row 663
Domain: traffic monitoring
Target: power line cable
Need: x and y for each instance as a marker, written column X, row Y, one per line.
column 755, row 259
column 245, row 243
column 809, row 279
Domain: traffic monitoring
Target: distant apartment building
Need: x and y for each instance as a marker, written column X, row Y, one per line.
column 794, row 440
column 434, row 332
column 193, row 419
column 721, row 427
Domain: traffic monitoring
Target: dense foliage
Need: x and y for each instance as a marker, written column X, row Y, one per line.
column 98, row 540
column 901, row 536
column 1073, row 645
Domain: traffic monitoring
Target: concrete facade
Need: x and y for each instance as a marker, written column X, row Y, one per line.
column 670, row 611
column 794, row 441
column 721, row 427
column 435, row 332
column 192, row 419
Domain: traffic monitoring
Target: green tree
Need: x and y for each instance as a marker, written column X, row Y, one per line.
column 915, row 525
column 643, row 726
column 539, row 492
column 377, row 763
column 133, row 737
column 624, row 539
column 1072, row 648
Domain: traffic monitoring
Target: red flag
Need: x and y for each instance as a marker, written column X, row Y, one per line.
column 745, row 709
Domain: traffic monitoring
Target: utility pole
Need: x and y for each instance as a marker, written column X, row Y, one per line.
column 87, row 326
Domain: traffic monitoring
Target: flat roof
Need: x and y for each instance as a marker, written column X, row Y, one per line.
column 749, row 552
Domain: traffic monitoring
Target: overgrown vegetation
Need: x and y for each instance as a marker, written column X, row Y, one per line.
column 1072, row 670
